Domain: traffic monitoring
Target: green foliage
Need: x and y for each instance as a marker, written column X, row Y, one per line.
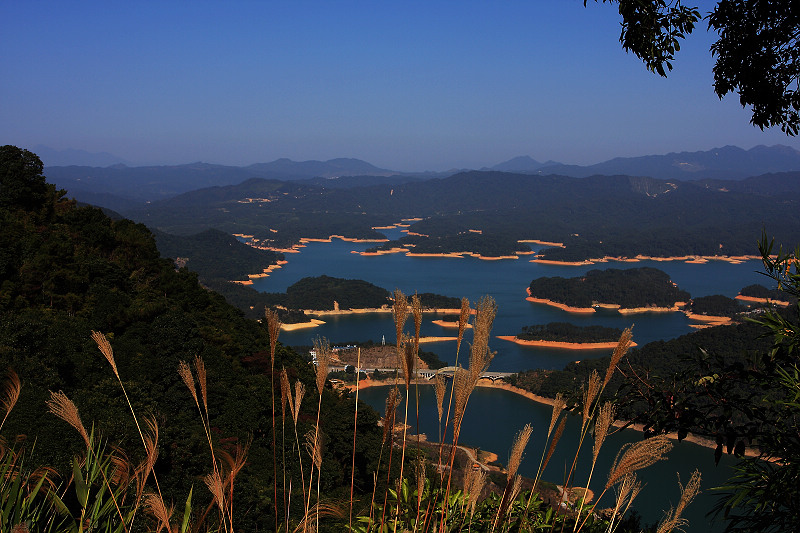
column 756, row 54
column 716, row 305
column 566, row 332
column 216, row 255
column 70, row 270
column 759, row 291
column 320, row 293
column 758, row 57
column 653, row 30
column 635, row 287
column 21, row 182
column 23, row 492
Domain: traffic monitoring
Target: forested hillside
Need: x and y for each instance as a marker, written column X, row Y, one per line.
column 650, row 216
column 66, row 271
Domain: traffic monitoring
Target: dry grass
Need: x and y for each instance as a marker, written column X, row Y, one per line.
column 65, row 409
column 558, row 406
column 673, row 519
column 440, row 388
column 463, row 320
column 154, row 504
column 518, row 450
column 299, row 392
column 623, row 345
column 400, row 314
column 274, row 330
column 11, row 393
column 286, row 393
column 554, row 442
column 324, row 353
column 637, row 455
column 590, row 394
column 605, row 417
column 106, row 350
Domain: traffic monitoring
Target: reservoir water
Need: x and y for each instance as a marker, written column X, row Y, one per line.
column 494, row 416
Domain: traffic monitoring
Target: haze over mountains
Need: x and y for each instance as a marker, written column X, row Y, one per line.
column 124, row 186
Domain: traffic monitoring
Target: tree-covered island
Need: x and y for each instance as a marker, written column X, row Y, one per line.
column 327, row 293
column 629, row 288
column 566, row 332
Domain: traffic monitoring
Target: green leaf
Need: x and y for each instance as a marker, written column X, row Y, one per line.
column 187, row 512
column 81, row 489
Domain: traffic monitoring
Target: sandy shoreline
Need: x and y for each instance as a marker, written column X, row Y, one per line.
column 563, row 307
column 691, row 259
column 586, row 310
column 563, row 345
column 710, row 320
column 779, row 303
column 449, row 324
column 313, row 322
column 302, row 325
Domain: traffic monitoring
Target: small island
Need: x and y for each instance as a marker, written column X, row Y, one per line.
column 324, row 295
column 626, row 290
column 760, row 294
column 567, row 336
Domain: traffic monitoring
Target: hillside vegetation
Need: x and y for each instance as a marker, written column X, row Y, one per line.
column 629, row 288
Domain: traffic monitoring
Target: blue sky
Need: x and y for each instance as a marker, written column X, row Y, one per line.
column 404, row 85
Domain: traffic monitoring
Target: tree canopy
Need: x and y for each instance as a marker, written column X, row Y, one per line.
column 757, row 53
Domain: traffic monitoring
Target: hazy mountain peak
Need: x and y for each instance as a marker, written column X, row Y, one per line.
column 71, row 157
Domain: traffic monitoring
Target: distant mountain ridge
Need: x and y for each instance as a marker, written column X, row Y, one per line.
column 51, row 157
column 728, row 163
column 119, row 186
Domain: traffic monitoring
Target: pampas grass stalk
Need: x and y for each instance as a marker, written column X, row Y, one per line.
column 512, row 480
column 603, row 421
column 593, row 391
column 463, row 320
column 188, row 378
column 408, row 359
column 286, row 396
column 105, row 348
column 673, row 519
column 633, row 457
column 627, row 491
column 11, row 393
column 464, row 381
column 440, row 387
column 274, row 329
column 294, row 408
column 392, row 401
column 355, row 428
column 323, row 350
column 65, row 409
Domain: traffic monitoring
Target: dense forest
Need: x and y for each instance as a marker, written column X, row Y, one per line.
column 634, row 287
column 652, row 217
column 716, row 305
column 656, row 359
column 215, row 255
column 66, row 271
column 759, row 291
column 566, row 332
column 319, row 293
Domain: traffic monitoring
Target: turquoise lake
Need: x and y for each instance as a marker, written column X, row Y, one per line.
column 494, row 416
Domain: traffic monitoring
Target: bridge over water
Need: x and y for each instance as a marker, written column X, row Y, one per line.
column 448, row 372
